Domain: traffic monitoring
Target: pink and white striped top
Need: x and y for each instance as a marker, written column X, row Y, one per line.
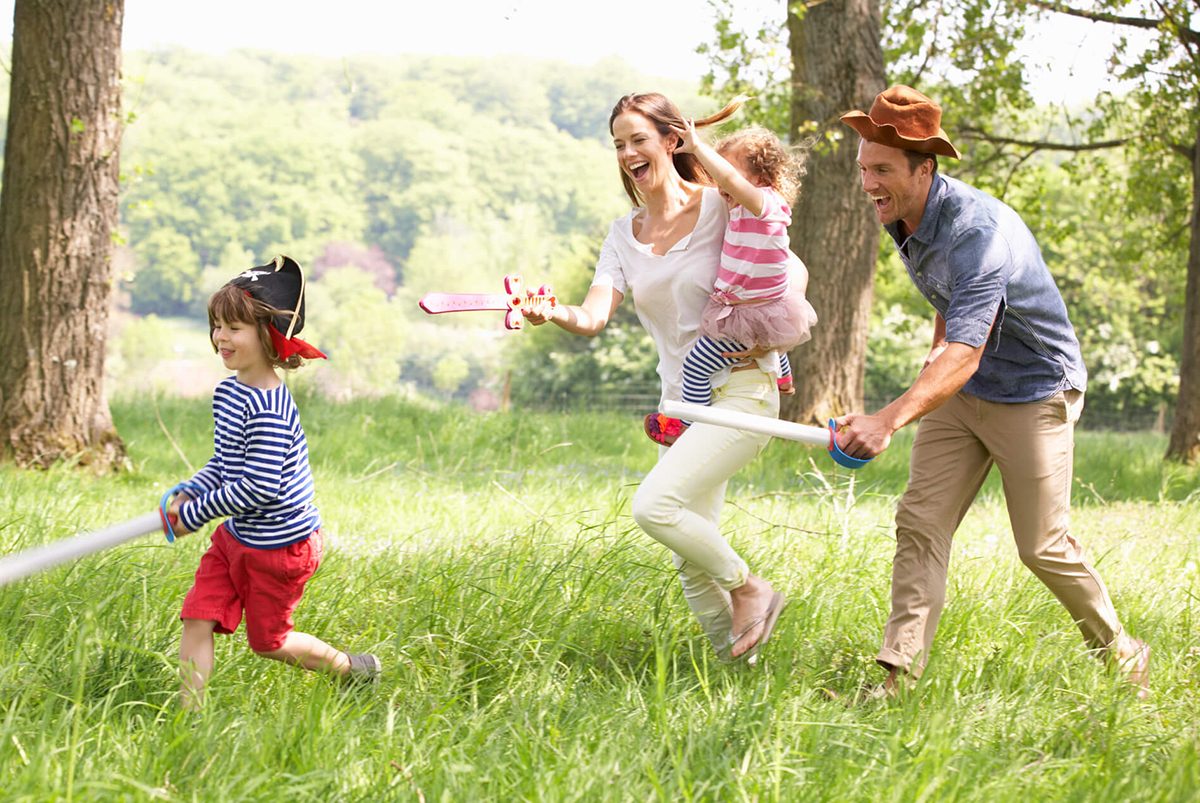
column 754, row 256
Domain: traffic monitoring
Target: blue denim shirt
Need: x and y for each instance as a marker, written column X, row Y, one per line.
column 976, row 262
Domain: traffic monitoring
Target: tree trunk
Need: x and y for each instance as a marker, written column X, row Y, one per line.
column 1185, row 431
column 837, row 65
column 58, row 210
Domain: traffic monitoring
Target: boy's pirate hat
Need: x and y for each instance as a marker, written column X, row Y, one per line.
column 280, row 285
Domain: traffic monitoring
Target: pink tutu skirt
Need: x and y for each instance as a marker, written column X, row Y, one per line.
column 778, row 323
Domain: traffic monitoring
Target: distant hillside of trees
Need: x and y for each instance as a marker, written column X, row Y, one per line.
column 400, row 175
column 392, row 164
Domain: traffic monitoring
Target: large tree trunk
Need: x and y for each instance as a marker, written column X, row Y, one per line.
column 837, row 65
column 58, row 210
column 1185, row 432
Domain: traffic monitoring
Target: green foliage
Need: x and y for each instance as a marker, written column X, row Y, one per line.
column 270, row 185
column 898, row 344
column 449, row 373
column 572, row 94
column 553, row 366
column 167, row 274
column 1124, row 285
column 751, row 57
column 964, row 54
column 359, row 329
column 289, row 154
column 446, row 174
column 144, row 344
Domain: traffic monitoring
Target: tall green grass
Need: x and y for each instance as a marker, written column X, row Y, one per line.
column 537, row 647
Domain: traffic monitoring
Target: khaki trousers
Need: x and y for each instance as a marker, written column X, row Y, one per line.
column 679, row 502
column 1033, row 446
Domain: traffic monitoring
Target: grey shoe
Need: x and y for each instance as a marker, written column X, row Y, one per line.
column 365, row 669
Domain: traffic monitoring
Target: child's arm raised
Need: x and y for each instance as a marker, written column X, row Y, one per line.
column 728, row 178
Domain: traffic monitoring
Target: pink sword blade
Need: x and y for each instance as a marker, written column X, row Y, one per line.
column 437, row 303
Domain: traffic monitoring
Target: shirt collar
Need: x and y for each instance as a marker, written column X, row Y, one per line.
column 929, row 219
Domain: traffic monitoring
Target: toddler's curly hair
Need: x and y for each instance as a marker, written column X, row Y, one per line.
column 771, row 162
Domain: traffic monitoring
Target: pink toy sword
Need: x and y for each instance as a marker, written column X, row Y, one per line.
column 511, row 302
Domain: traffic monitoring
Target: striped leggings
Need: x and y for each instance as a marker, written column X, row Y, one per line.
column 705, row 359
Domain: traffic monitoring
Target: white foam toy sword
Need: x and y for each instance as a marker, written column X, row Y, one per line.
column 510, row 302
column 31, row 561
column 789, row 430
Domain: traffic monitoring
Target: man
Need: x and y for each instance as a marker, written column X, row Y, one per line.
column 1003, row 384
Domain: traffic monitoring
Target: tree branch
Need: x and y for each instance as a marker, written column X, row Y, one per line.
column 933, row 48
column 1187, row 44
column 1186, row 151
column 1041, row 145
column 1186, row 34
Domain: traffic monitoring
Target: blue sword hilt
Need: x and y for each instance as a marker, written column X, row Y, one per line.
column 163, row 504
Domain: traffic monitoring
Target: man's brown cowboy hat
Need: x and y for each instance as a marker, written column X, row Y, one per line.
column 901, row 117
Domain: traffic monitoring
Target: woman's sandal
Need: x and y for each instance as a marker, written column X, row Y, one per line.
column 768, row 620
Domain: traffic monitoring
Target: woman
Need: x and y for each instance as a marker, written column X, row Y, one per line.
column 666, row 252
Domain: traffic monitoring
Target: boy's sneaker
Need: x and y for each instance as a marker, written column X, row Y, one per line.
column 365, row 669
column 786, row 386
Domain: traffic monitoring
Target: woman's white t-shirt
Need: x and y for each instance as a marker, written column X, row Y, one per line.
column 670, row 291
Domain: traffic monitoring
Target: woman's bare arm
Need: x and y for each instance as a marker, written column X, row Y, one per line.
column 587, row 319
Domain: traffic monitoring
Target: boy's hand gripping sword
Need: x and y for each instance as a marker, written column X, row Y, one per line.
column 511, row 302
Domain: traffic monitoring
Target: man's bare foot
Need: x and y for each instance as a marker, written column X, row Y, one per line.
column 750, row 601
column 1133, row 660
column 891, row 684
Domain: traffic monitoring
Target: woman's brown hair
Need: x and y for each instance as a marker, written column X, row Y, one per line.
column 232, row 304
column 664, row 114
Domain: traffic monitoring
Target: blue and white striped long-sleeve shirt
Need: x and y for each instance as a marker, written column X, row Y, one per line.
column 258, row 474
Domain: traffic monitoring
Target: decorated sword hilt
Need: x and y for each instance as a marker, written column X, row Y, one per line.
column 517, row 301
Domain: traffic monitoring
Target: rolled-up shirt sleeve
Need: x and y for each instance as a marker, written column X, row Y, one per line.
column 981, row 257
column 608, row 265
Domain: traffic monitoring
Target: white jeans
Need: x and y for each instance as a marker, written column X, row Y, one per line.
column 679, row 501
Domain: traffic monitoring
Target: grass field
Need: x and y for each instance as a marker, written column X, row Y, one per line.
column 537, row 647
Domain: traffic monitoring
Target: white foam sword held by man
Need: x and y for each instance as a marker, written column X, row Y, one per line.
column 789, row 430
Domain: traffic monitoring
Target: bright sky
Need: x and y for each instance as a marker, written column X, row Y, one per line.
column 657, row 38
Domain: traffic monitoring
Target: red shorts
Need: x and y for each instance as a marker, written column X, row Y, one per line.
column 265, row 583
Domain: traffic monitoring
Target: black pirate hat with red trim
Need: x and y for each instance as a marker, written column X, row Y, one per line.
column 280, row 285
